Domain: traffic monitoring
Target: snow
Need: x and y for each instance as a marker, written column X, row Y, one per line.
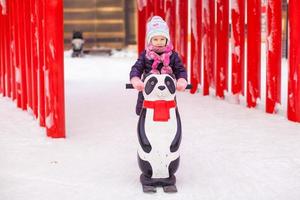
column 235, row 6
column 3, row 6
column 194, row 20
column 51, row 46
column 141, row 4
column 18, row 74
column 237, row 52
column 228, row 151
column 49, row 120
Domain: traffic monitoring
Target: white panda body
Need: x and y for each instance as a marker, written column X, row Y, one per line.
column 160, row 136
column 160, row 133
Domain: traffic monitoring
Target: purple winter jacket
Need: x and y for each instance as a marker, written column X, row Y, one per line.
column 144, row 66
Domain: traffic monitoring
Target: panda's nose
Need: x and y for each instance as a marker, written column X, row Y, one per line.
column 161, row 87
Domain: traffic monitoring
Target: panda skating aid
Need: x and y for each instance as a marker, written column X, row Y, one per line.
column 159, row 134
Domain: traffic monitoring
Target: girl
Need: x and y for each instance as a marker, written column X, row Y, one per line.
column 158, row 58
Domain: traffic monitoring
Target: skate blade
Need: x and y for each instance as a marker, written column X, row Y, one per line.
column 149, row 189
column 170, row 189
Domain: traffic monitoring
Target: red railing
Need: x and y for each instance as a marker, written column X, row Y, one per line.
column 196, row 44
column 253, row 52
column 31, row 60
column 238, row 46
column 222, row 47
column 294, row 61
column 273, row 81
column 31, row 52
column 209, row 41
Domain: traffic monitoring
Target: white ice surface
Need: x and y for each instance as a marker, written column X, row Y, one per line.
column 228, row 152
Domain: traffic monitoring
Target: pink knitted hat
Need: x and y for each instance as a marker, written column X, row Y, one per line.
column 157, row 26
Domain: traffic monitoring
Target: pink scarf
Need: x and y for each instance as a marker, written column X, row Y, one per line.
column 151, row 54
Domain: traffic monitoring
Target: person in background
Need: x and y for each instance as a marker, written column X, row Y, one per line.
column 77, row 44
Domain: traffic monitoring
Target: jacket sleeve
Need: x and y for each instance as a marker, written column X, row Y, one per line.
column 138, row 68
column 178, row 69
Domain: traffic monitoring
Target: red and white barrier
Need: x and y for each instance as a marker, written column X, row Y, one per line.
column 31, row 60
column 209, row 42
column 31, row 52
column 238, row 46
column 209, row 51
column 196, row 43
column 253, row 52
column 294, row 62
column 222, row 36
column 274, row 40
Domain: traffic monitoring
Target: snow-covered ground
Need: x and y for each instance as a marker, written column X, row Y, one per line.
column 227, row 152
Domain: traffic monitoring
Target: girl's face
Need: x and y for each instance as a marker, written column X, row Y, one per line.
column 159, row 41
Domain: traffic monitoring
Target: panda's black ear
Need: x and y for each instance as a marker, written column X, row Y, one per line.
column 145, row 76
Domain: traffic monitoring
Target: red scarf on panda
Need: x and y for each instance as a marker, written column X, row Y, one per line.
column 161, row 109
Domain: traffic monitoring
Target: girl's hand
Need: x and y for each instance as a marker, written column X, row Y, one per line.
column 181, row 84
column 137, row 83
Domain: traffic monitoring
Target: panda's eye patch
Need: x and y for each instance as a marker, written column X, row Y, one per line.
column 170, row 84
column 150, row 85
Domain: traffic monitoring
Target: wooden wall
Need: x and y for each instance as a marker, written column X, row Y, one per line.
column 105, row 23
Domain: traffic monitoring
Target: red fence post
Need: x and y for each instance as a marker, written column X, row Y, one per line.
column 22, row 53
column 2, row 68
column 34, row 56
column 12, row 47
column 1, row 84
column 54, row 73
column 5, row 44
column 149, row 9
column 159, row 8
column 253, row 52
column 41, row 66
column 141, row 5
column 293, row 111
column 182, row 30
column 208, row 45
column 222, row 47
column 3, row 15
column 7, row 50
column 170, row 17
column 238, row 46
column 273, row 55
column 196, row 43
column 18, row 70
column 27, row 18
